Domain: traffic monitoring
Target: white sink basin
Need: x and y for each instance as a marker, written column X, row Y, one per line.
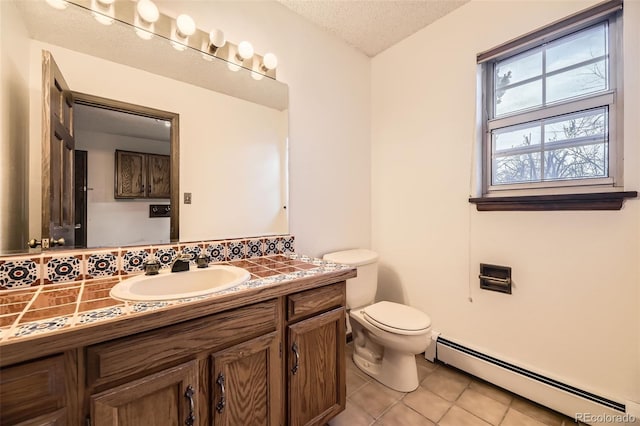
column 169, row 285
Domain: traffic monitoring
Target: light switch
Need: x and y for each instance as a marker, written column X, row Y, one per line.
column 187, row 198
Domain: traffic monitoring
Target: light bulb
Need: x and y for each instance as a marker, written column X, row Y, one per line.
column 148, row 11
column 102, row 11
column 58, row 4
column 186, row 26
column 217, row 38
column 269, row 61
column 103, row 19
column 245, row 51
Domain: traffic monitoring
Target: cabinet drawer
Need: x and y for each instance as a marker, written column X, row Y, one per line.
column 33, row 389
column 310, row 302
column 141, row 353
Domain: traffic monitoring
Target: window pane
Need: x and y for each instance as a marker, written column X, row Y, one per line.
column 584, row 137
column 510, row 138
column 576, row 82
column 579, row 162
column 580, row 47
column 516, row 169
column 518, row 98
column 592, row 123
column 519, row 68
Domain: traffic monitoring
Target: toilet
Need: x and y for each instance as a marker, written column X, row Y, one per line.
column 386, row 335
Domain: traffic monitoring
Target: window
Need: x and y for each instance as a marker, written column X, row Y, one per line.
column 552, row 107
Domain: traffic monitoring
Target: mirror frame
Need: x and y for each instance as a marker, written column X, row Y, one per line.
column 173, row 118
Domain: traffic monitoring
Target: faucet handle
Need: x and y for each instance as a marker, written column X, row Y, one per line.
column 202, row 260
column 151, row 266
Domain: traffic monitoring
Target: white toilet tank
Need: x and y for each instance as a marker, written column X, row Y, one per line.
column 361, row 290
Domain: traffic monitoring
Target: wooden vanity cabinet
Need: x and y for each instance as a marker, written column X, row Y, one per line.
column 170, row 372
column 35, row 392
column 272, row 362
column 164, row 398
column 246, row 381
column 316, row 363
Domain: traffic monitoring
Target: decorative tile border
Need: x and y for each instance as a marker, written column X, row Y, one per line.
column 19, row 272
column 54, row 267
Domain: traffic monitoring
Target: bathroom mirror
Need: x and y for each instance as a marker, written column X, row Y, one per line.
column 233, row 124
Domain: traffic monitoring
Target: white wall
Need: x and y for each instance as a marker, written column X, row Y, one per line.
column 230, row 149
column 112, row 222
column 575, row 310
column 329, row 130
column 14, row 110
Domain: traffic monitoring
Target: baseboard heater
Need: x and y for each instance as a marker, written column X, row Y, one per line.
column 551, row 393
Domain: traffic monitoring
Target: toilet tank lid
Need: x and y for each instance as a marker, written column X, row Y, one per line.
column 354, row 257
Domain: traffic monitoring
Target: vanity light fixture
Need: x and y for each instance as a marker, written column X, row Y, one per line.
column 269, row 62
column 147, row 21
column 185, row 27
column 245, row 51
column 102, row 11
column 147, row 14
column 58, row 4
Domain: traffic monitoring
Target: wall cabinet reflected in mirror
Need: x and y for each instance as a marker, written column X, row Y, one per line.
column 142, row 175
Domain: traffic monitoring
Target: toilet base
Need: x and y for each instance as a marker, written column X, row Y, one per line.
column 395, row 370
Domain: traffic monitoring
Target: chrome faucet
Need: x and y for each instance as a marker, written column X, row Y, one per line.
column 181, row 263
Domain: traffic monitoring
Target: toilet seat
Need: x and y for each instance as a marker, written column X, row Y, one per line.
column 397, row 318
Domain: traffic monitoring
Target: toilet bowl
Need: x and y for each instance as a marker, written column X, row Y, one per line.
column 386, row 338
column 386, row 335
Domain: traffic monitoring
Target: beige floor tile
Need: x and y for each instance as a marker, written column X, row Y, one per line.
column 354, row 381
column 516, row 418
column 401, row 415
column 492, row 391
column 427, row 403
column 375, row 398
column 538, row 412
column 446, row 384
column 352, row 416
column 424, row 368
column 421, row 360
column 482, row 406
column 456, row 416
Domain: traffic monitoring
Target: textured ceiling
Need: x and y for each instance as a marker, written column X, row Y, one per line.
column 372, row 26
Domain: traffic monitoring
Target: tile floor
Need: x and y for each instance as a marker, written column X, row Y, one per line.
column 445, row 397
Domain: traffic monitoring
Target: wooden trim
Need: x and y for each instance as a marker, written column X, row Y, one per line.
column 594, row 201
column 47, row 63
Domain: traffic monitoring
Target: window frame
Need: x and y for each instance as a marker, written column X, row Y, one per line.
column 610, row 12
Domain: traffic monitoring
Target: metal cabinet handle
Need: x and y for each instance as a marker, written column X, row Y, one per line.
column 191, row 417
column 222, row 402
column 296, row 365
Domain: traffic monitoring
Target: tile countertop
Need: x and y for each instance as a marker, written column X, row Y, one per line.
column 55, row 312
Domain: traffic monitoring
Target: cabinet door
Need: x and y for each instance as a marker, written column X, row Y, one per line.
column 130, row 174
column 33, row 393
column 164, row 398
column 316, row 364
column 246, row 381
column 159, row 180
